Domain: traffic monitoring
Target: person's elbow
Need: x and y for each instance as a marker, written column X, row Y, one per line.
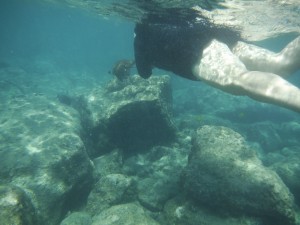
column 144, row 71
column 144, row 68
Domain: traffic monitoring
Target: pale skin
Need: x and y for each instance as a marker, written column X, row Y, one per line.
column 252, row 71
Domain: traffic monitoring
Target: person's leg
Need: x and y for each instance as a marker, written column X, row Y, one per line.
column 255, row 58
column 222, row 69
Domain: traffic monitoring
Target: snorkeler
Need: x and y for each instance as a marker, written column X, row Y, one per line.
column 192, row 47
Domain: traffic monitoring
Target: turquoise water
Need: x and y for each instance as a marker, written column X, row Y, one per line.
column 71, row 39
column 79, row 145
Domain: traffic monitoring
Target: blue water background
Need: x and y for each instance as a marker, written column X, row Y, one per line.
column 71, row 39
column 52, row 49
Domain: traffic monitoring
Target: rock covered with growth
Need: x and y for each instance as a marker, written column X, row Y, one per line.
column 132, row 115
column 42, row 154
column 180, row 211
column 109, row 163
column 110, row 190
column 286, row 164
column 158, row 174
column 15, row 206
column 223, row 173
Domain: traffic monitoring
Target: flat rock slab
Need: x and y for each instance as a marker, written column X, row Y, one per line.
column 225, row 174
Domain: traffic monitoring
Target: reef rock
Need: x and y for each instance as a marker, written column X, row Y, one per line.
column 286, row 164
column 132, row 115
column 181, row 212
column 109, row 163
column 42, row 154
column 77, row 218
column 15, row 206
column 158, row 173
column 290, row 132
column 108, row 191
column 224, row 174
column 266, row 134
column 126, row 214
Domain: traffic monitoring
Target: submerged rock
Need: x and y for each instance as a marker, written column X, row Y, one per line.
column 15, row 207
column 290, row 132
column 286, row 164
column 42, row 153
column 77, row 218
column 110, row 163
column 108, row 191
column 266, row 134
column 126, row 214
column 181, row 212
column 158, row 174
column 133, row 115
column 224, row 174
column 153, row 192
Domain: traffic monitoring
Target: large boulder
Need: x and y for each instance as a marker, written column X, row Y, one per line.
column 42, row 154
column 224, row 174
column 133, row 115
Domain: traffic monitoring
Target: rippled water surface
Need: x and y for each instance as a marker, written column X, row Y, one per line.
column 257, row 19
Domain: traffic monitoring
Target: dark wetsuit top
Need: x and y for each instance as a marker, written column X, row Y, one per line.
column 175, row 43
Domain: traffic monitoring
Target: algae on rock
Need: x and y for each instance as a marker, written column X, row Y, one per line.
column 225, row 174
column 133, row 115
column 42, row 154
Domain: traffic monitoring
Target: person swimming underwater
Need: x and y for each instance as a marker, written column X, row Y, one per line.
column 191, row 46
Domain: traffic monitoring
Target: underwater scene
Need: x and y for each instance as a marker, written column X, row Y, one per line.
column 111, row 115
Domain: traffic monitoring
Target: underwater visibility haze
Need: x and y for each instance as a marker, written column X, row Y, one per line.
column 85, row 140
